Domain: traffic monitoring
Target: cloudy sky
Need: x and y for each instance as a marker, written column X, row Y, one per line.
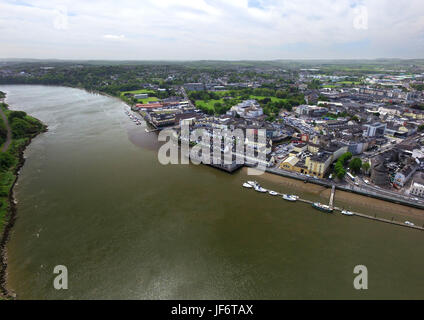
column 211, row 29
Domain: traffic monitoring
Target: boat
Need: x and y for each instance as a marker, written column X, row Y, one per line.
column 290, row 197
column 260, row 189
column 246, row 185
column 347, row 213
column 322, row 207
column 409, row 223
column 253, row 183
column 273, row 193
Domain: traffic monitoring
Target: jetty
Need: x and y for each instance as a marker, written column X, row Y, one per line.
column 333, row 191
column 361, row 215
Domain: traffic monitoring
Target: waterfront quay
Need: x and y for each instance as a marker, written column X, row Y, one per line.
column 357, row 214
column 387, row 195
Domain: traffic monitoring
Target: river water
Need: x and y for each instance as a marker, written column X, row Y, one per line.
column 93, row 197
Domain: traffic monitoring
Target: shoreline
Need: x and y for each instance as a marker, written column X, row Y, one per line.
column 10, row 219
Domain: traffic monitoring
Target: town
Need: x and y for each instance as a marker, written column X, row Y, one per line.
column 359, row 127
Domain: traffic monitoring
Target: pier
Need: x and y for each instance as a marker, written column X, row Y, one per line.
column 348, row 188
column 333, row 191
column 358, row 214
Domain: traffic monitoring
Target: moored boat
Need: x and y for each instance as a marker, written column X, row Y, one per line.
column 322, row 207
column 260, row 189
column 290, row 197
column 246, row 185
column 347, row 213
column 273, row 193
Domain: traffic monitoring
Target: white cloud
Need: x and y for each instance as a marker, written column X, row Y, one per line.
column 114, row 37
column 60, row 21
column 211, row 29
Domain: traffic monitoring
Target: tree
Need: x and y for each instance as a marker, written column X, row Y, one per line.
column 355, row 165
column 366, row 166
column 6, row 160
column 17, row 114
column 339, row 169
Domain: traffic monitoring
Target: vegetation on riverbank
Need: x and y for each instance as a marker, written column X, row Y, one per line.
column 24, row 128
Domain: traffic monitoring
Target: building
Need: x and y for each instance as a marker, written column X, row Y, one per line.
column 155, row 105
column 162, row 119
column 405, row 174
column 311, row 111
column 375, row 130
column 379, row 173
column 248, row 109
column 319, row 164
column 294, row 164
column 194, row 86
column 417, row 186
column 417, row 189
column 357, row 146
column 141, row 96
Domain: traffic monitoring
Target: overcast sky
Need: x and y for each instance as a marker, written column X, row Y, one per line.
column 211, row 29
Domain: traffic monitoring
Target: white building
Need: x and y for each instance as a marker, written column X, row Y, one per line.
column 405, row 174
column 375, row 130
column 311, row 111
column 248, row 109
column 417, row 189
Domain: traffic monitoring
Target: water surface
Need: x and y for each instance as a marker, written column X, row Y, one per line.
column 93, row 197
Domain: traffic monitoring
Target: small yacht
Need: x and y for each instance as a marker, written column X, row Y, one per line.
column 247, row 185
column 273, row 193
column 347, row 213
column 290, row 197
column 409, row 223
column 253, row 183
column 260, row 189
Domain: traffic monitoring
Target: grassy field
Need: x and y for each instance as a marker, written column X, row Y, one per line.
column 209, row 105
column 149, row 99
column 273, row 99
column 149, row 92
column 342, row 83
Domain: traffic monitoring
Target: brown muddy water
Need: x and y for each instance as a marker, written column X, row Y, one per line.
column 93, row 197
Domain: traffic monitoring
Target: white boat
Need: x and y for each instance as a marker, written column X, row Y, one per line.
column 253, row 183
column 409, row 223
column 246, row 185
column 273, row 193
column 290, row 197
column 260, row 189
column 347, row 213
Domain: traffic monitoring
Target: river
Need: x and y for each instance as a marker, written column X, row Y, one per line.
column 93, row 197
